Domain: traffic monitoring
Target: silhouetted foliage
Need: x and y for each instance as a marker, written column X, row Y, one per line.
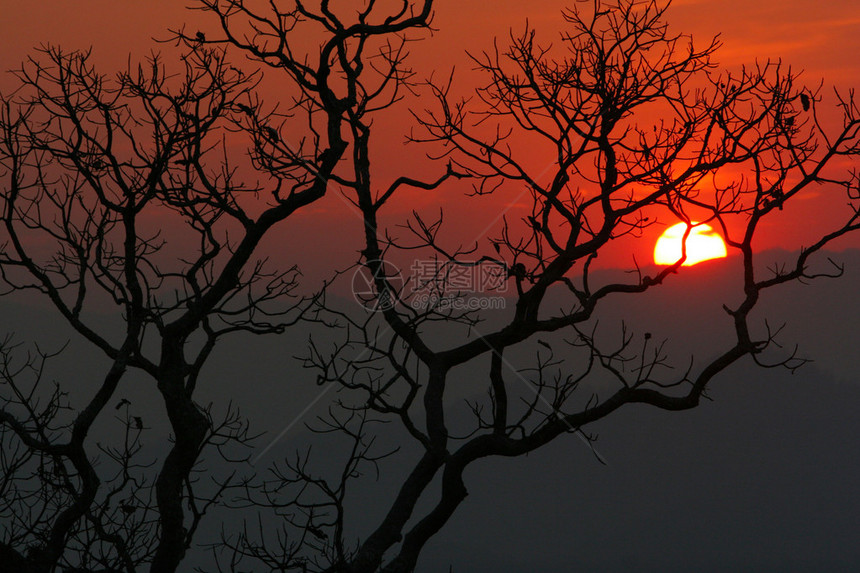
column 106, row 182
column 633, row 122
column 121, row 198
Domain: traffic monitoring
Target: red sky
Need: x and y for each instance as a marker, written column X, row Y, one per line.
column 820, row 37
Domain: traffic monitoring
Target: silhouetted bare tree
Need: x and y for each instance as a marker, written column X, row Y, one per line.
column 122, row 194
column 118, row 193
column 104, row 182
column 636, row 124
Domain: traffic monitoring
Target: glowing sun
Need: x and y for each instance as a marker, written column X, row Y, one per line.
column 703, row 244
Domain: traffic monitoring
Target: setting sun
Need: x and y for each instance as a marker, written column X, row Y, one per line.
column 703, row 244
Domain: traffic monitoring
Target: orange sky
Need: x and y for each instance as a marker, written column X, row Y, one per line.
column 820, row 37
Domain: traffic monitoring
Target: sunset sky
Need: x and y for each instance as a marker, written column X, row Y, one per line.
column 782, row 449
column 818, row 37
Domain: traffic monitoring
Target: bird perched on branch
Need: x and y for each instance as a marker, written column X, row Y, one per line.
column 244, row 108
column 805, row 102
column 272, row 134
column 778, row 197
column 518, row 271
